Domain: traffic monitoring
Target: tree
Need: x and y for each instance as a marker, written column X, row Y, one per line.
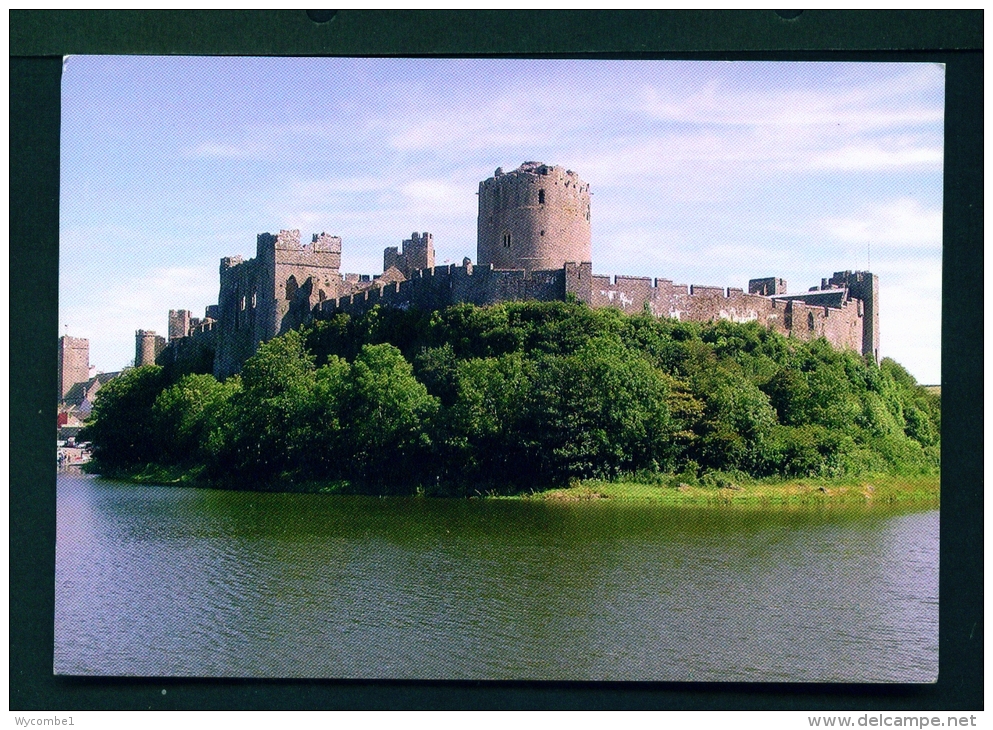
column 484, row 445
column 189, row 417
column 737, row 419
column 272, row 412
column 600, row 411
column 122, row 426
column 789, row 394
column 387, row 440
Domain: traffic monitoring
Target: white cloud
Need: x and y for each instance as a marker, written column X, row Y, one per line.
column 432, row 190
column 111, row 316
column 874, row 157
column 899, row 223
column 856, row 106
column 320, row 189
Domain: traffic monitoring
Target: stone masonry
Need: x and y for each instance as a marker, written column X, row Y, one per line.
column 147, row 347
column 417, row 253
column 74, row 363
column 272, row 293
column 534, row 218
column 533, row 243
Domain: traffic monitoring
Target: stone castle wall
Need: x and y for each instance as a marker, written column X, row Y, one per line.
column 147, row 347
column 444, row 286
column 864, row 286
column 197, row 352
column 533, row 243
column 416, row 252
column 179, row 323
column 841, row 325
column 272, row 293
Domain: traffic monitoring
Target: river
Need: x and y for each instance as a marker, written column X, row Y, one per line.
column 167, row 581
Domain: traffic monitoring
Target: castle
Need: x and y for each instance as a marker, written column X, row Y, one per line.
column 533, row 242
column 79, row 383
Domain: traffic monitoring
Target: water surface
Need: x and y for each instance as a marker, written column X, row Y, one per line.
column 166, row 581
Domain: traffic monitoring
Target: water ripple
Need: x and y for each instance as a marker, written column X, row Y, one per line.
column 164, row 581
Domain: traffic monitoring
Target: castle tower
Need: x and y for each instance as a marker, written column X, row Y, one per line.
column 74, row 363
column 536, row 217
column 768, row 287
column 147, row 346
column 417, row 252
column 179, row 323
column 291, row 275
column 271, row 293
column 864, row 286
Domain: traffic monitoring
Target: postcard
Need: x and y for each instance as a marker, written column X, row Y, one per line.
column 499, row 369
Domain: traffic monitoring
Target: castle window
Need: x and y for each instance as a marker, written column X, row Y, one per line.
column 254, row 300
column 543, row 233
column 506, row 240
column 810, row 321
column 291, row 287
column 541, row 197
column 241, row 304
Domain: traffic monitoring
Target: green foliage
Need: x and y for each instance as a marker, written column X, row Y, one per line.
column 270, row 414
column 600, row 411
column 436, row 367
column 789, row 394
column 737, row 419
column 191, row 416
column 389, row 416
column 122, row 425
column 521, row 396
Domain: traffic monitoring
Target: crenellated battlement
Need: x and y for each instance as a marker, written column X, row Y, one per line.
column 533, row 243
column 443, row 286
column 324, row 243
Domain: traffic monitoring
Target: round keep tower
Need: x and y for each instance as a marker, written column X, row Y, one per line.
column 536, row 217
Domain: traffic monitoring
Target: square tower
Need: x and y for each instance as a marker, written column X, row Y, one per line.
column 416, row 252
column 74, row 363
column 179, row 323
column 767, row 287
column 864, row 286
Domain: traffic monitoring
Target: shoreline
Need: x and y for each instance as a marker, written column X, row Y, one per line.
column 875, row 489
column 772, row 493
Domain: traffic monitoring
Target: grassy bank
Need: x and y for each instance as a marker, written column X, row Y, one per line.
column 880, row 489
column 874, row 489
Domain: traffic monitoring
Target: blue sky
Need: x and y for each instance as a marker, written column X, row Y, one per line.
column 701, row 172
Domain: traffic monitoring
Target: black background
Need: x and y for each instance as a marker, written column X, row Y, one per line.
column 38, row 39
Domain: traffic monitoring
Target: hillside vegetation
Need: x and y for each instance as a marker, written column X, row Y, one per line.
column 519, row 397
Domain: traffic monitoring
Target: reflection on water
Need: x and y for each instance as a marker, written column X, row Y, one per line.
column 161, row 581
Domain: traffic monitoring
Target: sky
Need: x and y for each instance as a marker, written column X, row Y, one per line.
column 702, row 172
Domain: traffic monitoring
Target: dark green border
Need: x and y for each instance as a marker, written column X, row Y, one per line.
column 950, row 37
column 378, row 32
